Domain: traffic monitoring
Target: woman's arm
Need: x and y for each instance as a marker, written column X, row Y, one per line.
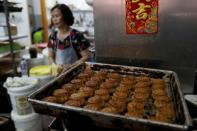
column 51, row 56
column 84, row 55
column 82, row 46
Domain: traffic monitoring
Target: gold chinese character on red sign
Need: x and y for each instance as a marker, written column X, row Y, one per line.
column 135, row 1
column 141, row 16
column 141, row 11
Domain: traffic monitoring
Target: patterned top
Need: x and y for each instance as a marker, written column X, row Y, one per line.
column 79, row 42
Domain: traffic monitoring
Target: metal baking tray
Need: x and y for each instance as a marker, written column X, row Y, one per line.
column 85, row 116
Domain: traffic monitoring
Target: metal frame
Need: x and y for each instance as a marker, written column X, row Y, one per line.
column 5, row 4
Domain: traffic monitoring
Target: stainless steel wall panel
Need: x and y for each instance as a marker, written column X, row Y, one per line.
column 174, row 46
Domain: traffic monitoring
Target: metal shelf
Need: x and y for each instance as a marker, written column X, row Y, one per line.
column 80, row 11
column 10, row 6
column 6, row 38
column 6, row 8
column 8, row 53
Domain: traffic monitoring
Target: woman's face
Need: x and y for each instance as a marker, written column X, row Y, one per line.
column 57, row 18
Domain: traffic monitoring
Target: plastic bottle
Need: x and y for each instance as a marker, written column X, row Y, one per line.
column 24, row 67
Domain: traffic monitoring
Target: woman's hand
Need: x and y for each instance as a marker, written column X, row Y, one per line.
column 56, row 69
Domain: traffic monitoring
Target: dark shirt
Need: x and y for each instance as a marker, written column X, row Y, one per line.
column 79, row 42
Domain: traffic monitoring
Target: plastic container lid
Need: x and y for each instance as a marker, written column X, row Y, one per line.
column 42, row 45
column 32, row 83
column 42, row 70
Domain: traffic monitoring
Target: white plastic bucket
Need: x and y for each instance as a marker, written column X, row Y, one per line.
column 18, row 96
column 30, row 122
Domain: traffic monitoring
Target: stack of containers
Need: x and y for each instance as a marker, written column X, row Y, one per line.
column 23, row 115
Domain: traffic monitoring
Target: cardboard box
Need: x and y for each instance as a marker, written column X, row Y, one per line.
column 4, row 30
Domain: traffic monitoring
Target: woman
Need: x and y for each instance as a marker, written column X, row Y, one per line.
column 66, row 45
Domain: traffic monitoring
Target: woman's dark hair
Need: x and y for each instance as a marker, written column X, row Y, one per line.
column 66, row 13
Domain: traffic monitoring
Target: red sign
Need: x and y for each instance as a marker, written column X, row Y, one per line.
column 141, row 16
